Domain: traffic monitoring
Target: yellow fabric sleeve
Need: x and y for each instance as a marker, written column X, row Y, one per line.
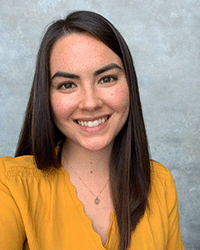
column 12, row 234
column 174, row 235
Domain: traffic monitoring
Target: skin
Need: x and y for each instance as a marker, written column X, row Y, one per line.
column 88, row 83
column 86, row 93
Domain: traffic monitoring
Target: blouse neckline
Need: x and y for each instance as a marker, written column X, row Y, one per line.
column 87, row 221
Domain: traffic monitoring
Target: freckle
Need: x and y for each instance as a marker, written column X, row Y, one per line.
column 91, row 172
column 91, row 162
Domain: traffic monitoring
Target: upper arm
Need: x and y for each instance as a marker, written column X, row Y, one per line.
column 12, row 234
column 174, row 234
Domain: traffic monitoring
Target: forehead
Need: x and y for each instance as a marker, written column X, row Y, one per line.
column 81, row 51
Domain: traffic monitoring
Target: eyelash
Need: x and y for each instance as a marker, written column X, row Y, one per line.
column 66, row 85
column 114, row 78
column 71, row 85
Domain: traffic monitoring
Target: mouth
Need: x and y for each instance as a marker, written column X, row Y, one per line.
column 94, row 123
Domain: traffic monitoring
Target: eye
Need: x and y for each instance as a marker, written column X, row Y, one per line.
column 108, row 79
column 66, row 85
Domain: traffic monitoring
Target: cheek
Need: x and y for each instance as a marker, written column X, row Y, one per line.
column 120, row 98
column 61, row 107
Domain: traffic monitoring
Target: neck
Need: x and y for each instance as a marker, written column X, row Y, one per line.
column 83, row 160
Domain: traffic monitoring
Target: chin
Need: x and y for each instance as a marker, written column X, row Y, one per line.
column 94, row 148
column 97, row 146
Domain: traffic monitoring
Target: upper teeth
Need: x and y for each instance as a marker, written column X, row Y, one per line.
column 93, row 123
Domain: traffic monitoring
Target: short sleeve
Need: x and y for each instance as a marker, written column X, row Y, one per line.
column 174, row 234
column 12, row 234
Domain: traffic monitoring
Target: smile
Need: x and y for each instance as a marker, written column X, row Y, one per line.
column 94, row 123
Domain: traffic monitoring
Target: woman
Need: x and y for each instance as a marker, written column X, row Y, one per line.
column 82, row 177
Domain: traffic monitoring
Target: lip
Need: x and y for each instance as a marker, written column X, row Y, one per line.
column 88, row 119
column 93, row 129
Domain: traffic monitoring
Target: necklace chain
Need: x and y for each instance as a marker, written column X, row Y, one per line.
column 97, row 200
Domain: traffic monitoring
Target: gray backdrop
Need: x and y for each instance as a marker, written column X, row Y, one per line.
column 164, row 38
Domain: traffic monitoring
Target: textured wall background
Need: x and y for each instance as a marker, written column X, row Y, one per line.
column 164, row 38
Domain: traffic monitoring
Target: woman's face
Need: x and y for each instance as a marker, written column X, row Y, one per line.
column 89, row 92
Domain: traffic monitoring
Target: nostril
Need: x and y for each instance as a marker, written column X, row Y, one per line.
column 90, row 102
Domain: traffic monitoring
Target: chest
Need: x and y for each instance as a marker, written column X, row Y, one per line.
column 95, row 196
column 99, row 214
column 61, row 217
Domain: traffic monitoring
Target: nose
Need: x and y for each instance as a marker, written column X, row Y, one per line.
column 90, row 99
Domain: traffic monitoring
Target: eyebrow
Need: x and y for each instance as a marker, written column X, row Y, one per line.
column 65, row 74
column 106, row 68
column 96, row 73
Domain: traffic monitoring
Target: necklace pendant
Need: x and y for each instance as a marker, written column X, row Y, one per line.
column 97, row 201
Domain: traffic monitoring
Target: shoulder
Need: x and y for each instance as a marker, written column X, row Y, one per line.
column 11, row 166
column 26, row 161
column 20, row 179
column 22, row 166
column 162, row 183
column 159, row 173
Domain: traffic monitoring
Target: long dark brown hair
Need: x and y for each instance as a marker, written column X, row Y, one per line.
column 129, row 163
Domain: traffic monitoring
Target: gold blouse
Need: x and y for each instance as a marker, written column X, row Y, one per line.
column 40, row 211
